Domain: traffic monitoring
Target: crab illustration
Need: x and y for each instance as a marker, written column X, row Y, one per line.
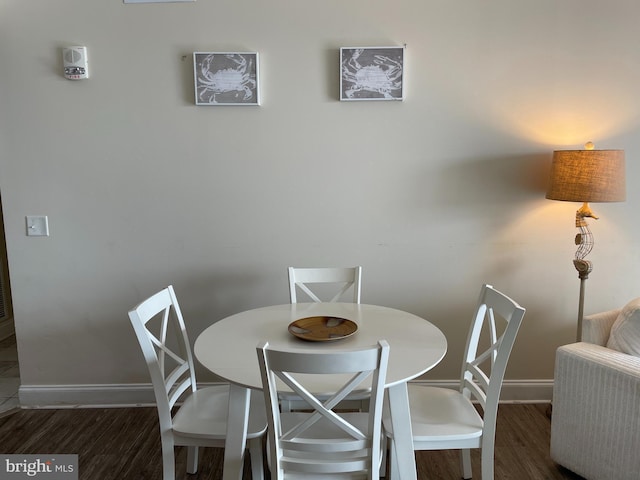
column 382, row 76
column 236, row 79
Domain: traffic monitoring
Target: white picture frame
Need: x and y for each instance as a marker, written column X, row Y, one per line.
column 226, row 78
column 157, row 1
column 372, row 73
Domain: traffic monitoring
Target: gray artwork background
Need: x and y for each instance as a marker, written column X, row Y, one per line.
column 226, row 78
column 371, row 73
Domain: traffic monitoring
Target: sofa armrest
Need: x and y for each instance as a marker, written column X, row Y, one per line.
column 595, row 424
column 596, row 327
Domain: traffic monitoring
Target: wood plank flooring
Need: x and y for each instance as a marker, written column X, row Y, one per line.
column 124, row 444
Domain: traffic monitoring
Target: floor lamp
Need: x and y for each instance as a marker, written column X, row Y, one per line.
column 586, row 176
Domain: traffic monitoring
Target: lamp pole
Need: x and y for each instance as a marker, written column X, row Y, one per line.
column 584, row 268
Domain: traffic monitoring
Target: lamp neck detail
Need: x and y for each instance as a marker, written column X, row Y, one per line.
column 583, row 212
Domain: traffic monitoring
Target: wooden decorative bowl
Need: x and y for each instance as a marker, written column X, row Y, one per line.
column 322, row 329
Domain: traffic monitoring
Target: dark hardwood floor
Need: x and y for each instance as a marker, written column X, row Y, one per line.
column 124, row 444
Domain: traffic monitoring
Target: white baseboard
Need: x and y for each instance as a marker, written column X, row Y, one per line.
column 527, row 391
column 513, row 391
column 77, row 396
column 141, row 394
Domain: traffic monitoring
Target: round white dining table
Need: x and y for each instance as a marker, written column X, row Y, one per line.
column 228, row 349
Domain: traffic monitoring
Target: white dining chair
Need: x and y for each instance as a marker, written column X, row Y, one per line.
column 335, row 283
column 201, row 419
column 304, row 279
column 442, row 418
column 321, row 443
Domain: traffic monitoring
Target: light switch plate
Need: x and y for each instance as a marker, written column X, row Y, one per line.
column 37, row 226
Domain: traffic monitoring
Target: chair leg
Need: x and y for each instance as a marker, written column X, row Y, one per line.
column 285, row 406
column 465, row 463
column 394, row 472
column 256, row 457
column 383, row 456
column 487, row 461
column 168, row 458
column 192, row 459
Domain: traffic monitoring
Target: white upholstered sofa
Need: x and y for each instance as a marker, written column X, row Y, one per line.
column 595, row 425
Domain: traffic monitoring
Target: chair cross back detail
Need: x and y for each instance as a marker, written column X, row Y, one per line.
column 322, row 408
column 475, row 381
column 321, row 441
column 344, row 278
column 164, row 306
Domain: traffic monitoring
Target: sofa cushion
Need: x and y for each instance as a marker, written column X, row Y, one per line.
column 625, row 332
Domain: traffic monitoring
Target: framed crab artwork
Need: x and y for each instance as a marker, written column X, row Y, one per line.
column 226, row 78
column 157, row 1
column 371, row 73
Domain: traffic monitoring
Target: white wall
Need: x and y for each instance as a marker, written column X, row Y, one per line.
column 433, row 196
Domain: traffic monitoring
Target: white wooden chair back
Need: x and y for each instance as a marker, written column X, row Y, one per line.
column 320, row 441
column 345, row 278
column 201, row 419
column 442, row 418
column 162, row 335
column 483, row 372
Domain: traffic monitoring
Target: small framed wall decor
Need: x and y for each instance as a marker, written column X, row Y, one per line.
column 226, row 78
column 372, row 73
column 157, row 1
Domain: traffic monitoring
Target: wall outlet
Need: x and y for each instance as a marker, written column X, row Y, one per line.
column 37, row 226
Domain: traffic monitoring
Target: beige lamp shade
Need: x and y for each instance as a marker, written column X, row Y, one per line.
column 587, row 176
